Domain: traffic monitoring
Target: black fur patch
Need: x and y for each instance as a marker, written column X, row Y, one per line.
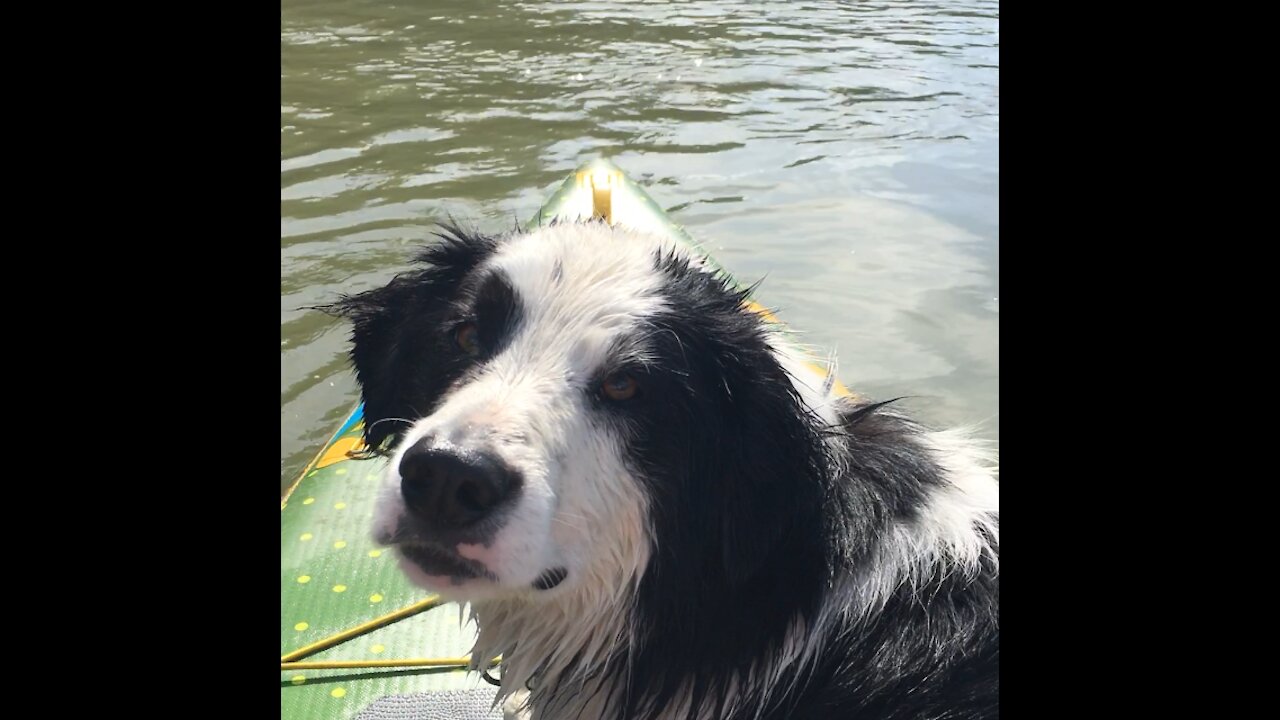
column 756, row 525
column 404, row 355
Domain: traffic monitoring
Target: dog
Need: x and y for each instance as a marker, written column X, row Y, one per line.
column 658, row 507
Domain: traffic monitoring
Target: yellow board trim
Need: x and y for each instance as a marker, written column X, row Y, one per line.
column 837, row 387
column 339, row 451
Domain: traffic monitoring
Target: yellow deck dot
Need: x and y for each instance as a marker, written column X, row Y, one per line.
column 376, row 597
column 304, row 579
column 340, row 544
column 308, row 501
column 339, row 588
column 338, row 692
column 375, row 553
column 340, row 471
column 306, row 536
column 301, row 626
column 312, row 473
column 339, row 506
column 298, row 679
column 377, row 649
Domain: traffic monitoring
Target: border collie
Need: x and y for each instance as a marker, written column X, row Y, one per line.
column 656, row 506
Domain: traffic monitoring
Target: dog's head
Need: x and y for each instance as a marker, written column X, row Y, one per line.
column 562, row 405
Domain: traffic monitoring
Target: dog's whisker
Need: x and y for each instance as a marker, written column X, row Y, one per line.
column 375, row 423
column 565, row 522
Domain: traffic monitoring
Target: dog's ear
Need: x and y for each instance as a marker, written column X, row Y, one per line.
column 400, row 356
column 378, row 318
column 771, row 481
column 751, row 456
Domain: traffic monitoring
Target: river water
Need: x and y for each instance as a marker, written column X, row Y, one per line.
column 847, row 152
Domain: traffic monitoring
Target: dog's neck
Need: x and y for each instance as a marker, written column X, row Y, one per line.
column 562, row 643
column 557, row 651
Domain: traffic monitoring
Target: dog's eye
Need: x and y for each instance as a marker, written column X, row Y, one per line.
column 619, row 386
column 467, row 337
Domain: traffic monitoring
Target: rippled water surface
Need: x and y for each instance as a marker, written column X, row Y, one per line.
column 847, row 152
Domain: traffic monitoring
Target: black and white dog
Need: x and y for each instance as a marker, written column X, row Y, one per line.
column 656, row 508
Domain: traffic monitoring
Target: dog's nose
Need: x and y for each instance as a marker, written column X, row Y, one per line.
column 451, row 488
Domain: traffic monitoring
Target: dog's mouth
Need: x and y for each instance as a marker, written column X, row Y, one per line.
column 442, row 562
column 434, row 560
column 437, row 561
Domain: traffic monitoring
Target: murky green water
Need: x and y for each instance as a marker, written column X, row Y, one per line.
column 849, row 151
